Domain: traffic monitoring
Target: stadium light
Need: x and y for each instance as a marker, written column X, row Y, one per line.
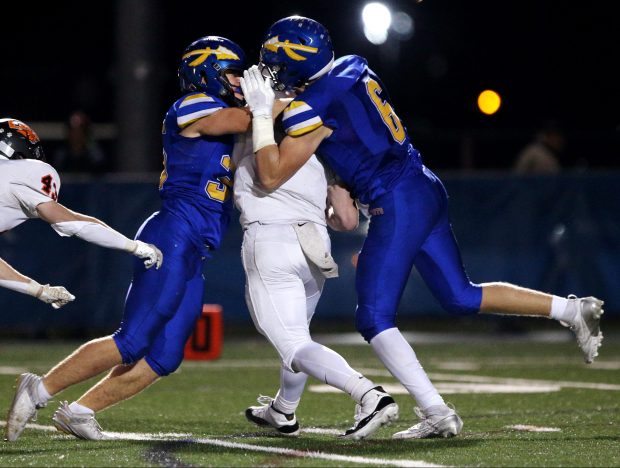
column 377, row 19
column 489, row 102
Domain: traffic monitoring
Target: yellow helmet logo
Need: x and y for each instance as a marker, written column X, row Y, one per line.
column 221, row 53
column 289, row 48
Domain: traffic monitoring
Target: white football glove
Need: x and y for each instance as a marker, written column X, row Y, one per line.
column 152, row 255
column 57, row 296
column 257, row 92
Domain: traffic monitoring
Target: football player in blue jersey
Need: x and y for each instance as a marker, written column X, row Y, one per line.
column 342, row 112
column 162, row 305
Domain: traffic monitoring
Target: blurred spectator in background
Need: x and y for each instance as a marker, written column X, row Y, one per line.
column 79, row 152
column 542, row 155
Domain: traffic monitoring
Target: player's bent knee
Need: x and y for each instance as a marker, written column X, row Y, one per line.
column 369, row 326
column 463, row 302
column 165, row 366
column 131, row 350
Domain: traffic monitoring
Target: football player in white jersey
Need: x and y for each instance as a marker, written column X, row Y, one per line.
column 286, row 257
column 29, row 189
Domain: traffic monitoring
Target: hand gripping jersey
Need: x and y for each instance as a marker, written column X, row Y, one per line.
column 301, row 198
column 24, row 184
column 369, row 147
column 197, row 177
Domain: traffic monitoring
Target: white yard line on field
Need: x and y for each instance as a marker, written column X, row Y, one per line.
column 557, row 336
column 463, row 383
column 155, row 437
column 529, row 428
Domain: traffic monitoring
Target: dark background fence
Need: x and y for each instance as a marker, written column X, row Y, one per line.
column 558, row 233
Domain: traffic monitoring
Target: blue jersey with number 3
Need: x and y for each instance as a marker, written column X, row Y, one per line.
column 369, row 147
column 197, row 177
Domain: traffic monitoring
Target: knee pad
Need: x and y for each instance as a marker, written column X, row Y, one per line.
column 369, row 324
column 466, row 301
column 167, row 365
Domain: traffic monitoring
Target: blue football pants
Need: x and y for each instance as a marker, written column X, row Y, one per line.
column 162, row 306
column 413, row 229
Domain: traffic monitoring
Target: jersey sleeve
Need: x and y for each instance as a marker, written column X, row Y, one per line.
column 38, row 184
column 300, row 118
column 196, row 106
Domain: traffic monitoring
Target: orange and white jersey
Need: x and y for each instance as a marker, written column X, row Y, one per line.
column 302, row 198
column 24, row 184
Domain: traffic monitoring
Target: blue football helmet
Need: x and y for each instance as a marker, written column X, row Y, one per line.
column 205, row 63
column 295, row 51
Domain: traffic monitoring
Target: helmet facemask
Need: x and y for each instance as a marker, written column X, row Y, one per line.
column 227, row 94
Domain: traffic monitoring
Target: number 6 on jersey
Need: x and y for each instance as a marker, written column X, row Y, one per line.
column 386, row 111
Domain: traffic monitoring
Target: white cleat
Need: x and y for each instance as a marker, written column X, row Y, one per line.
column 436, row 421
column 377, row 409
column 24, row 406
column 266, row 415
column 587, row 325
column 82, row 426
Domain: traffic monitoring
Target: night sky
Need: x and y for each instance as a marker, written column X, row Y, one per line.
column 547, row 59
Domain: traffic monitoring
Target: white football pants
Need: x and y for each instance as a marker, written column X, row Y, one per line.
column 282, row 289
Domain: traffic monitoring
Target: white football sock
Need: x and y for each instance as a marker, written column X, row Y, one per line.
column 400, row 359
column 291, row 387
column 560, row 309
column 357, row 386
column 324, row 364
column 42, row 393
column 76, row 408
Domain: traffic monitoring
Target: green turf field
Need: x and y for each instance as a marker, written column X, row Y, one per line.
column 195, row 417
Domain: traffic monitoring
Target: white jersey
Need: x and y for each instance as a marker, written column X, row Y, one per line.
column 24, row 184
column 301, row 198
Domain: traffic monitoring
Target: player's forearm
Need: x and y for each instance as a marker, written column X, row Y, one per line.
column 338, row 222
column 8, row 273
column 10, row 278
column 342, row 213
column 69, row 223
column 268, row 167
column 95, row 233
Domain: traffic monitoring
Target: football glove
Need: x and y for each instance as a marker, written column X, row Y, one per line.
column 57, row 296
column 152, row 255
column 257, row 92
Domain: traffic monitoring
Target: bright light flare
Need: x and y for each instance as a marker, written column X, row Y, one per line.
column 402, row 24
column 377, row 19
column 489, row 102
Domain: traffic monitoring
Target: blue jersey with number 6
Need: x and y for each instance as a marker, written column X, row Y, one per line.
column 197, row 177
column 369, row 147
column 370, row 150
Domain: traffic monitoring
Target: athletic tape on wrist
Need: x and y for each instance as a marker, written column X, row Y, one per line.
column 262, row 132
